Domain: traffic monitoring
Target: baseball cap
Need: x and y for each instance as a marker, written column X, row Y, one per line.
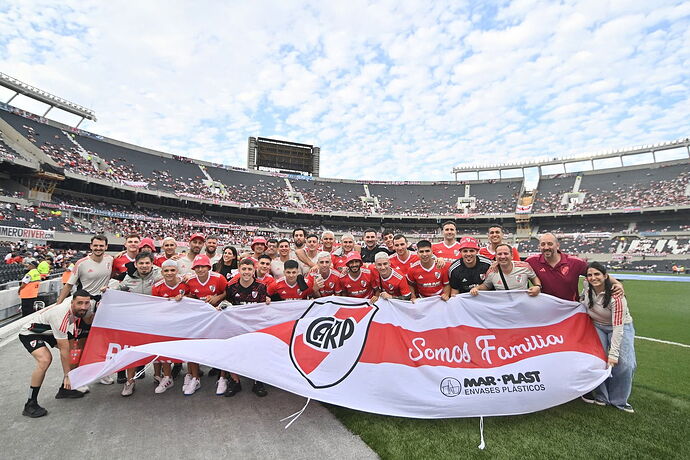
column 467, row 242
column 147, row 242
column 354, row 255
column 201, row 260
column 258, row 240
column 197, row 235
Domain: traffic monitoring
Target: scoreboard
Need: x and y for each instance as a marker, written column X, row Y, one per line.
column 283, row 156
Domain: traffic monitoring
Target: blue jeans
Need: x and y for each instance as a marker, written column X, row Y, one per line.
column 616, row 389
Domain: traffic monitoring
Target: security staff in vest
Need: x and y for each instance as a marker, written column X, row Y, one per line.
column 28, row 289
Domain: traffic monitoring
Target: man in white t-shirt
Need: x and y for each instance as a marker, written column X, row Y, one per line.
column 509, row 274
column 56, row 326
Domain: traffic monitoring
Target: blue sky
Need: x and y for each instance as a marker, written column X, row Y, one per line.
column 401, row 90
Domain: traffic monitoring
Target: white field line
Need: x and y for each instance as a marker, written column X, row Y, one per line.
column 662, row 341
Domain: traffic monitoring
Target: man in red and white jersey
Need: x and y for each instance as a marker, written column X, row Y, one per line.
column 424, row 276
column 339, row 255
column 184, row 264
column 262, row 271
column 495, row 239
column 169, row 246
column 170, row 287
column 403, row 257
column 131, row 250
column 393, row 285
column 328, row 241
column 449, row 248
column 357, row 281
column 325, row 281
column 210, row 287
column 290, row 286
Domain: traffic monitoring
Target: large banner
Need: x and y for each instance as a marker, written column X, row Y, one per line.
column 500, row 353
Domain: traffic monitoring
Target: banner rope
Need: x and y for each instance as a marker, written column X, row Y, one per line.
column 141, row 372
column 295, row 415
column 481, row 445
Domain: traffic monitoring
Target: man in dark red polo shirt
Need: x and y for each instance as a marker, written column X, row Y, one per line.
column 559, row 273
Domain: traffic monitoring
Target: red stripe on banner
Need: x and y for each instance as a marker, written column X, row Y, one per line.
column 470, row 347
column 355, row 313
column 309, row 358
column 281, row 331
column 103, row 342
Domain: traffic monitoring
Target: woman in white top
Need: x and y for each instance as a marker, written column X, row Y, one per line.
column 614, row 325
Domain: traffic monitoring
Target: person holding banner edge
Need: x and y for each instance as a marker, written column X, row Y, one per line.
column 614, row 325
column 57, row 326
column 509, row 274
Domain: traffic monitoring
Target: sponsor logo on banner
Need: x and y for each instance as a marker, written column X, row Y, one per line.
column 328, row 340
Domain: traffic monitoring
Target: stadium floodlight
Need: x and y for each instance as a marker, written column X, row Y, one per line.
column 19, row 87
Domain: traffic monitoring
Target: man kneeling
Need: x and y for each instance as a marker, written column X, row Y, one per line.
column 58, row 326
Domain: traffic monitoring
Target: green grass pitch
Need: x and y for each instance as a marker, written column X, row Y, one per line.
column 659, row 429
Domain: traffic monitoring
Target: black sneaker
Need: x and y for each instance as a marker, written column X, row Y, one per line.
column 33, row 410
column 233, row 388
column 177, row 367
column 64, row 393
column 143, row 374
column 121, row 377
column 589, row 398
column 259, row 390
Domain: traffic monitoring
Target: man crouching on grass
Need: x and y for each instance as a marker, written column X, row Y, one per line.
column 58, row 326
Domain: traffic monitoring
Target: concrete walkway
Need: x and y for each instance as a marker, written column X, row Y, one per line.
column 147, row 426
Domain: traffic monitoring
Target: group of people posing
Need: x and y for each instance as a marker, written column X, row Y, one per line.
column 312, row 266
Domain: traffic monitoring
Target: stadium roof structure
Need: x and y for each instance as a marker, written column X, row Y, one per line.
column 19, row 87
column 680, row 145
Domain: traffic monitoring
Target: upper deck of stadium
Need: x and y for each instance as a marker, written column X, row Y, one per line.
column 33, row 142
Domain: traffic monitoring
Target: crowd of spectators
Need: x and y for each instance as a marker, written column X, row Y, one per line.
column 645, row 195
column 6, row 151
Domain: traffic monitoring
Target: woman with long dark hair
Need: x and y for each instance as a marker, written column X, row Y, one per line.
column 227, row 265
column 614, row 326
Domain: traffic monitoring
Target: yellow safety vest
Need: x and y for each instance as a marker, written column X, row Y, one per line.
column 30, row 290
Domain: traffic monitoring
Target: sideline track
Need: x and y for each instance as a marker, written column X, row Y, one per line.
column 630, row 276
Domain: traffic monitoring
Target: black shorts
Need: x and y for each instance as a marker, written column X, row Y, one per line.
column 33, row 342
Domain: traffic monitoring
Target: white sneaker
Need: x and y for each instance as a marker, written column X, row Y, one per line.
column 221, row 386
column 107, row 380
column 128, row 389
column 166, row 382
column 192, row 386
column 83, row 389
column 187, row 379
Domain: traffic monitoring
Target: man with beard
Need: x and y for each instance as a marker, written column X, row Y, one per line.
column 211, row 246
column 184, row 264
column 559, row 272
column 299, row 238
column 371, row 246
column 57, row 326
column 357, row 281
column 468, row 271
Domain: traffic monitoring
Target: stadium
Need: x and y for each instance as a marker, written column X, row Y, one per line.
column 61, row 184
